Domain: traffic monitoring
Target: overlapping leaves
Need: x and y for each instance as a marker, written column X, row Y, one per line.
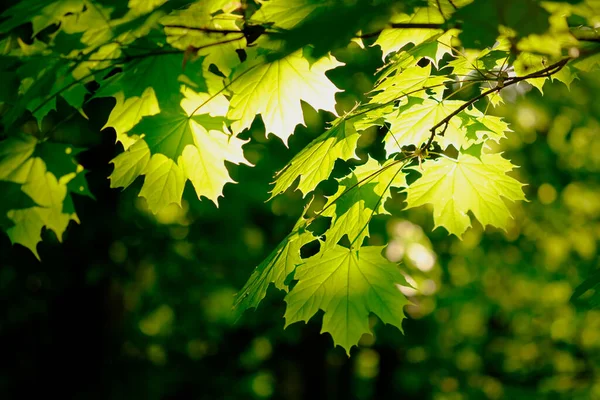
column 188, row 79
column 42, row 176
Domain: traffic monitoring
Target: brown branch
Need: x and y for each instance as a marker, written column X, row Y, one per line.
column 546, row 72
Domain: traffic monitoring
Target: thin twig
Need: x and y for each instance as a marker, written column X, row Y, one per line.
column 552, row 69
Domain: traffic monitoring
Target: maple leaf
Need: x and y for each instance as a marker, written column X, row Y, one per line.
column 315, row 162
column 41, row 13
column 275, row 269
column 40, row 85
column 45, row 172
column 145, row 85
column 13, row 199
column 360, row 195
column 472, row 64
column 480, row 126
column 127, row 113
column 348, row 285
column 393, row 39
column 411, row 81
column 98, row 27
column 526, row 63
column 187, row 79
column 412, row 124
column 274, row 90
column 177, row 145
column 468, row 183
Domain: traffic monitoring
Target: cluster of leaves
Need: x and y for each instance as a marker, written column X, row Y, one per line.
column 188, row 79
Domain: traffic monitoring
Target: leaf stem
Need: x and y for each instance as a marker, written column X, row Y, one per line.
column 552, row 69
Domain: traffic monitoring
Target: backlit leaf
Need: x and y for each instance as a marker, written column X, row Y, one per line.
column 348, row 285
column 454, row 187
column 274, row 90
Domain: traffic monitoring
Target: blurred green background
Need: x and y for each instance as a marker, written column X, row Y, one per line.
column 136, row 306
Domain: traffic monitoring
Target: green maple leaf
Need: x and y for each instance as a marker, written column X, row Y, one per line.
column 588, row 63
column 432, row 49
column 130, row 164
column 315, row 162
column 468, row 183
column 45, row 172
column 273, row 270
column 472, row 64
column 41, row 85
column 127, row 113
column 527, row 63
column 41, row 13
column 13, row 198
column 162, row 70
column 412, row 123
column 168, row 132
column 411, row 81
column 480, row 126
column 163, row 183
column 144, row 86
column 274, row 90
column 348, row 285
column 566, row 75
column 178, row 145
column 361, row 195
column 393, row 39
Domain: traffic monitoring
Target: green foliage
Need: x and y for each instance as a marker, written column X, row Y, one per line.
column 347, row 284
column 188, row 80
column 468, row 183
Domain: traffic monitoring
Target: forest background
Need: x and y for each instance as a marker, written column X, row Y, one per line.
column 137, row 305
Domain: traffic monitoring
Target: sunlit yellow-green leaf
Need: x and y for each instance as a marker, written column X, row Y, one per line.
column 163, row 183
column 527, row 63
column 127, row 113
column 480, row 126
column 393, row 39
column 412, row 81
column 348, row 285
column 413, row 122
column 130, row 164
column 45, row 182
column 454, row 187
column 41, row 14
column 274, row 90
column 196, row 145
column 315, row 162
column 360, row 196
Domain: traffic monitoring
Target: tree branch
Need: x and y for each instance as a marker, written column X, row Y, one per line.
column 546, row 72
